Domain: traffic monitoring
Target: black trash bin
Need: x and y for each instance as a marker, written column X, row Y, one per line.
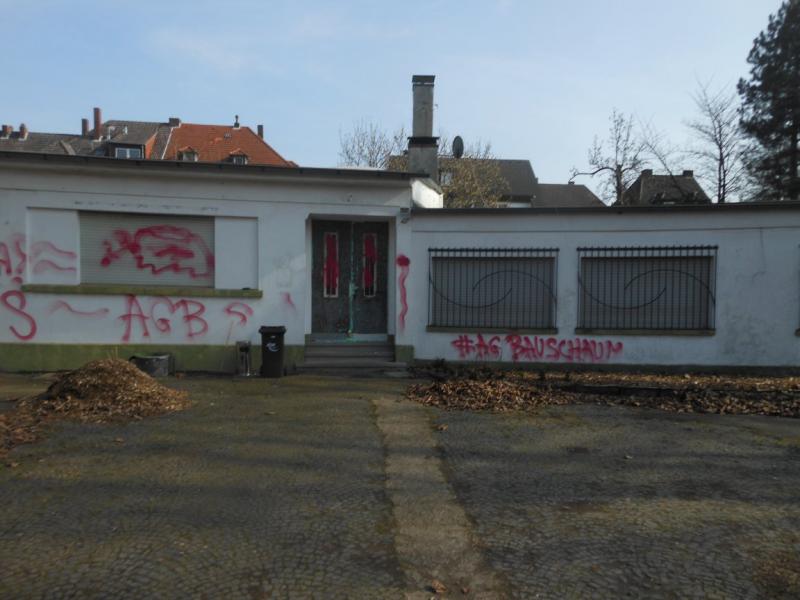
column 272, row 351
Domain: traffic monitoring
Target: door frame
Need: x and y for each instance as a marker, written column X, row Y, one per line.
column 391, row 271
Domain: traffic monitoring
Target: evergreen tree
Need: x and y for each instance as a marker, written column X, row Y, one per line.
column 771, row 105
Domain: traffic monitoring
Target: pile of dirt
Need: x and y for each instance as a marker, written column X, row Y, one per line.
column 500, row 391
column 101, row 391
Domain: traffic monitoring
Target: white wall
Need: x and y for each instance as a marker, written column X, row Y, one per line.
column 758, row 282
column 261, row 242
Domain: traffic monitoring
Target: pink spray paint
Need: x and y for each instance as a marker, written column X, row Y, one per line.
column 404, row 263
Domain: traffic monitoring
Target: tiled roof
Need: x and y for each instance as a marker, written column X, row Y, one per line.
column 564, row 194
column 216, row 143
column 665, row 189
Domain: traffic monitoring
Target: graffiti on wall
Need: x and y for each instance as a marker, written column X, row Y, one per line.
column 404, row 265
column 535, row 349
column 161, row 249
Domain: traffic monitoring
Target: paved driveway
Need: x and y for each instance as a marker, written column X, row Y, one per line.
column 297, row 488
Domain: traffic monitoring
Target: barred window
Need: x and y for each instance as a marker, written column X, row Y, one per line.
column 647, row 288
column 492, row 288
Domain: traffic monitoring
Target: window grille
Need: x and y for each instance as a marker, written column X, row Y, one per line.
column 492, row 288
column 647, row 288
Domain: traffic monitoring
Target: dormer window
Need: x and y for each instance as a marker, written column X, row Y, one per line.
column 239, row 159
column 122, row 152
column 188, row 155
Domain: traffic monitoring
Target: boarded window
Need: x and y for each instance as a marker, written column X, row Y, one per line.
column 512, row 288
column 125, row 248
column 330, row 268
column 647, row 288
column 370, row 264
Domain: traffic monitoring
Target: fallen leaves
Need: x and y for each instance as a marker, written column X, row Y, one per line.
column 101, row 391
column 485, row 389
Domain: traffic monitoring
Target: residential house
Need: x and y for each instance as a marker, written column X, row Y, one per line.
column 650, row 189
column 143, row 140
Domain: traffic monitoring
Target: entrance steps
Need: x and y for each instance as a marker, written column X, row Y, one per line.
column 344, row 356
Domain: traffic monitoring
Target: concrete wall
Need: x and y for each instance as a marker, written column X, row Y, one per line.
column 757, row 294
column 260, row 243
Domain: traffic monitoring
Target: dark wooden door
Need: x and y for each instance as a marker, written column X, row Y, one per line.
column 349, row 277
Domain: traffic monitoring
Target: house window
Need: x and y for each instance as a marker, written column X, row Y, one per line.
column 188, row 156
column 647, row 288
column 239, row 159
column 330, row 262
column 370, row 264
column 492, row 288
column 158, row 250
column 120, row 152
column 445, row 177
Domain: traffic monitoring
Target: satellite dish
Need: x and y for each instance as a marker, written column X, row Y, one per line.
column 458, row 147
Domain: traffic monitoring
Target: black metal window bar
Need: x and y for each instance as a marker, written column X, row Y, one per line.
column 492, row 288
column 647, row 288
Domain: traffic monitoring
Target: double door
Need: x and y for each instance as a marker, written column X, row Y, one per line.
column 349, row 277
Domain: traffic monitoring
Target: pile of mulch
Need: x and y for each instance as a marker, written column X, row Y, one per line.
column 484, row 389
column 102, row 391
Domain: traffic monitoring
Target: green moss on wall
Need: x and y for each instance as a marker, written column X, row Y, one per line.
column 187, row 357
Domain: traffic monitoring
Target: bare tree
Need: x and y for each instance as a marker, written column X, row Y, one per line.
column 619, row 157
column 720, row 142
column 472, row 181
column 660, row 150
column 369, row 145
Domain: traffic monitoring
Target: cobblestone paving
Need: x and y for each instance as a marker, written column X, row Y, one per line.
column 583, row 502
column 242, row 496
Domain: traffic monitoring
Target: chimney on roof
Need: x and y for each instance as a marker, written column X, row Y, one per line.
column 6, row 131
column 261, row 131
column 23, row 131
column 98, row 123
column 647, row 172
column 174, row 122
column 688, row 173
column 236, row 123
column 85, row 127
column 423, row 148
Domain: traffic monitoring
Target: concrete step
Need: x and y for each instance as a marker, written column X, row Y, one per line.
column 383, row 352
column 349, row 363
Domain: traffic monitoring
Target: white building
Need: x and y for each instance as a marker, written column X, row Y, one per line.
column 106, row 257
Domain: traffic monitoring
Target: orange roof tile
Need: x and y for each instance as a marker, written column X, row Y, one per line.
column 216, row 143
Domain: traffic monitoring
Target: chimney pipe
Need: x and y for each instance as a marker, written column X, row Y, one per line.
column 98, row 124
column 23, row 131
column 6, row 131
column 261, row 131
column 174, row 122
column 688, row 173
column 647, row 172
column 423, row 147
column 85, row 127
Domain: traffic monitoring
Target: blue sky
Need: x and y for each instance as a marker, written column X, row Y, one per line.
column 537, row 79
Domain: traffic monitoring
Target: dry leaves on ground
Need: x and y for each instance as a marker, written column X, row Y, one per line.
column 100, row 391
column 501, row 391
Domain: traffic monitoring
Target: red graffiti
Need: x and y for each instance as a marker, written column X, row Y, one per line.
column 13, row 257
column 538, row 349
column 287, row 300
column 63, row 305
column 330, row 270
column 160, row 314
column 162, row 248
column 19, row 310
column 48, row 265
column 481, row 348
column 370, row 261
column 239, row 310
column 12, row 261
column 404, row 263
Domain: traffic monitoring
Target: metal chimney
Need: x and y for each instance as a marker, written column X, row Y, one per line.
column 85, row 127
column 423, row 147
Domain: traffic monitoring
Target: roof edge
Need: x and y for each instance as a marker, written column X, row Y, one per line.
column 610, row 210
column 38, row 158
